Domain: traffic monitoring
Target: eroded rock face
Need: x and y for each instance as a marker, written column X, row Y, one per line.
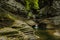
column 55, row 12
column 56, row 5
column 4, row 21
column 55, row 20
column 3, row 38
column 54, row 9
column 18, row 29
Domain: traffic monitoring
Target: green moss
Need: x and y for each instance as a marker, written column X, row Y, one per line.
column 30, row 14
column 27, row 5
column 36, row 5
column 31, row 4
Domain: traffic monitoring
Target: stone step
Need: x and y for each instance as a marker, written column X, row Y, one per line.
column 8, row 31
